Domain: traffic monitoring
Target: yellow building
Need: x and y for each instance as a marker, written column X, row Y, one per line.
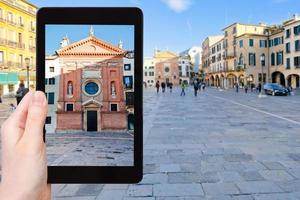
column 17, row 44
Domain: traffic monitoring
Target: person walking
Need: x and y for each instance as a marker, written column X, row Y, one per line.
column 236, row 87
column 163, row 87
column 182, row 89
column 21, row 92
column 157, row 86
column 259, row 87
column 246, row 89
column 195, row 83
column 171, row 87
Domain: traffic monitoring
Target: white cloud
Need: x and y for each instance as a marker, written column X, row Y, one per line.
column 178, row 5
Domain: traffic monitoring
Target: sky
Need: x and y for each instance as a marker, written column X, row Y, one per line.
column 109, row 33
column 177, row 25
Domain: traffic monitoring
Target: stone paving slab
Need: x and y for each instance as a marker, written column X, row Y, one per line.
column 217, row 146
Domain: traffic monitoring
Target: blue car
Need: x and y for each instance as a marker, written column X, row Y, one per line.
column 275, row 89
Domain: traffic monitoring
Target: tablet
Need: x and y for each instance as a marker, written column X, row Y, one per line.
column 89, row 64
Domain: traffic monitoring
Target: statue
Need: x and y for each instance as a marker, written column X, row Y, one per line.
column 113, row 89
column 70, row 89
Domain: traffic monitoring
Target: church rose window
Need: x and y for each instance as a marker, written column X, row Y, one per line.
column 91, row 88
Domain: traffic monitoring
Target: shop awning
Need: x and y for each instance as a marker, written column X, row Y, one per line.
column 8, row 78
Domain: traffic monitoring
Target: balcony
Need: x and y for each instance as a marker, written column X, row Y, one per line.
column 20, row 25
column 11, row 22
column 11, row 43
column 32, row 29
column 2, row 19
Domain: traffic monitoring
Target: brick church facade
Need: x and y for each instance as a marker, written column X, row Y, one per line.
column 91, row 91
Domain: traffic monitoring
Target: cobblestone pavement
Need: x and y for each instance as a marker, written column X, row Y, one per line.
column 219, row 145
column 93, row 149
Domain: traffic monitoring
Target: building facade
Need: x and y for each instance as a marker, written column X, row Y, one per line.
column 149, row 72
column 185, row 68
column 253, row 54
column 166, row 67
column 17, row 44
column 89, row 91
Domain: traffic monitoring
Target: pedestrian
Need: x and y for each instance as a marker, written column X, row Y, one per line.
column 246, row 89
column 163, row 86
column 157, row 86
column 171, row 87
column 12, row 107
column 182, row 89
column 0, row 99
column 203, row 86
column 195, row 87
column 252, row 86
column 259, row 87
column 21, row 92
column 236, row 87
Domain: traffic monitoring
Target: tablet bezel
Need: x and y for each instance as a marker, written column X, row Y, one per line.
column 97, row 16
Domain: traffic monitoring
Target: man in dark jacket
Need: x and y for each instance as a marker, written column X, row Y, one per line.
column 21, row 92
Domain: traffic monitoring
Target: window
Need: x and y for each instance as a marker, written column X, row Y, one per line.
column 51, row 98
column 251, row 42
column 263, row 43
column 297, row 61
column 10, row 17
column 252, row 59
column 151, row 73
column 273, row 59
column 51, row 81
column 278, row 40
column 226, row 34
column 241, row 59
column 127, row 67
column 297, row 30
column 288, row 63
column 241, row 43
column 167, row 69
column 279, row 58
column 288, row 47
column 234, row 30
column 287, row 33
column 48, row 120
column 46, row 81
column 51, row 69
column 263, row 61
column 20, row 59
column 271, row 43
column 114, row 107
column 1, row 57
column 128, row 82
column 1, row 13
column 145, row 73
column 297, row 45
column 130, row 98
column 91, row 88
column 69, row 107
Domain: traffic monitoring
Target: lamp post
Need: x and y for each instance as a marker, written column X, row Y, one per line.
column 262, row 60
column 263, row 63
column 27, row 61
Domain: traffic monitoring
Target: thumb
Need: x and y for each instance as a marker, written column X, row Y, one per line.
column 37, row 112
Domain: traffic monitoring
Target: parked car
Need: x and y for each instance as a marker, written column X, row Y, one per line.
column 275, row 89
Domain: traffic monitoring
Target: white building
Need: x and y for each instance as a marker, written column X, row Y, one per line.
column 195, row 54
column 128, row 81
column 184, row 68
column 52, row 74
column 149, row 72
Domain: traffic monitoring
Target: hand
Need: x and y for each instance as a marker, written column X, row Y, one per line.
column 24, row 163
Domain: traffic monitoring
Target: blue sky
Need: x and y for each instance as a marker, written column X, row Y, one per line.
column 109, row 33
column 179, row 24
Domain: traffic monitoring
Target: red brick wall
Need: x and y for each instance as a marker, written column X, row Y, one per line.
column 69, row 121
column 117, row 120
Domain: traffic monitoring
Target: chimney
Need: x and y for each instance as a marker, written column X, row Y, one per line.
column 296, row 16
column 120, row 45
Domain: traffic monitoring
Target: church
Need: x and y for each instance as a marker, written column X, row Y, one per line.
column 90, row 90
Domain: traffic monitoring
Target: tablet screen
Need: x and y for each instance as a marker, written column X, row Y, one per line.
column 89, row 84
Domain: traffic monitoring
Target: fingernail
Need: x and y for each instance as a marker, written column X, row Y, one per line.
column 38, row 98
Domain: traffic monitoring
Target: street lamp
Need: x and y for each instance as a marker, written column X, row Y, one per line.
column 27, row 61
column 262, row 60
